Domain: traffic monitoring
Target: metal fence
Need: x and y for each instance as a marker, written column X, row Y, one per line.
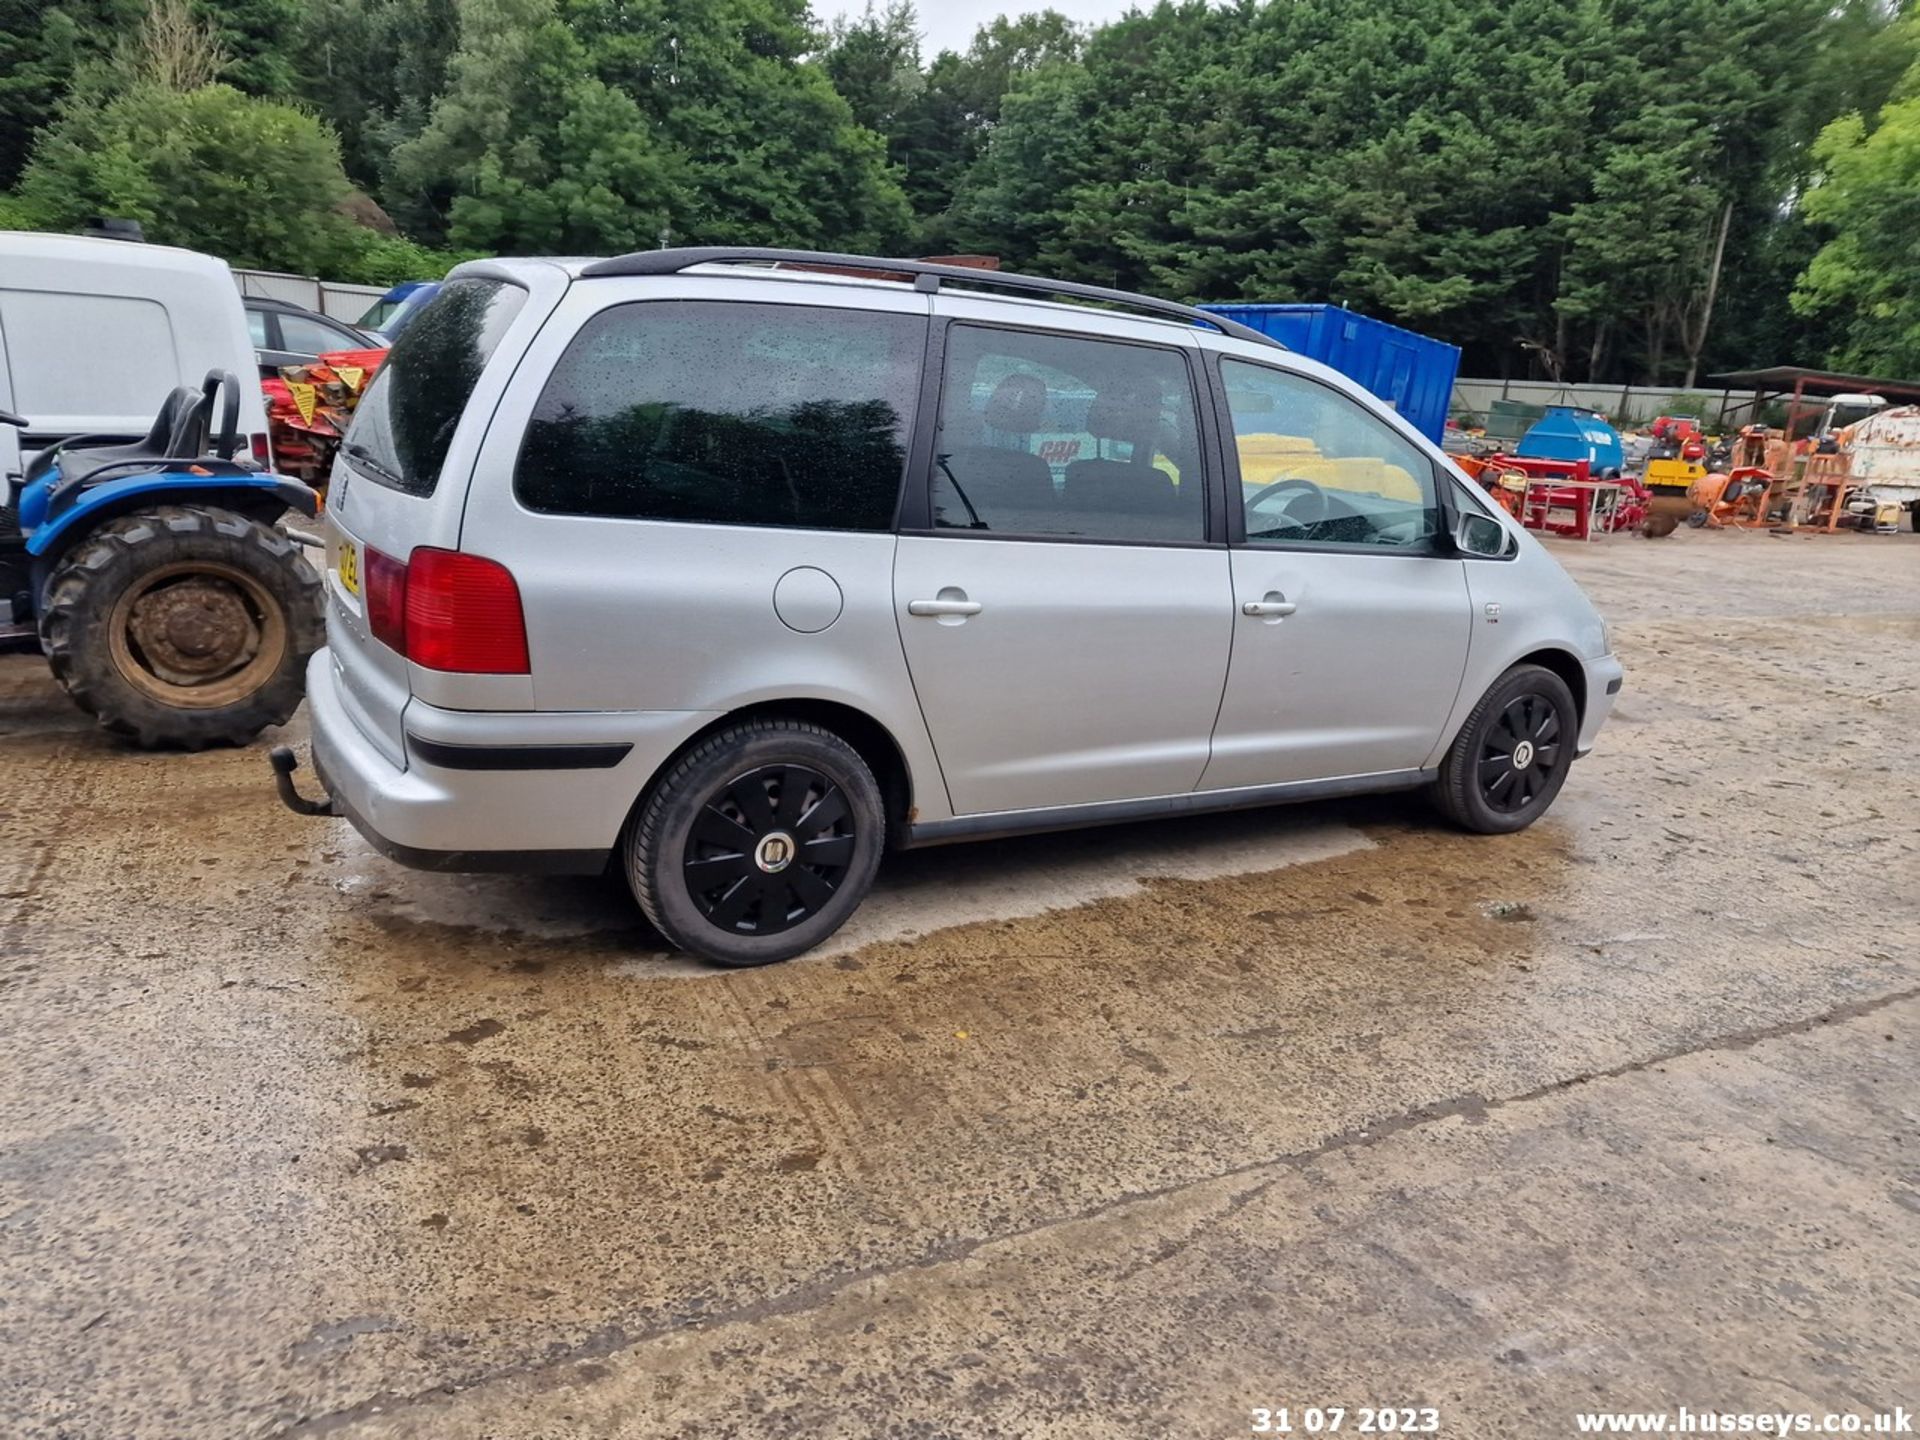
column 1623, row 404
column 329, row 297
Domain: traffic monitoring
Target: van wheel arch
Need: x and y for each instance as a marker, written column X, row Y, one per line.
column 869, row 738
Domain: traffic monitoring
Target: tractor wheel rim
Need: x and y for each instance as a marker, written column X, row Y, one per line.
column 769, row 849
column 197, row 635
column 1519, row 753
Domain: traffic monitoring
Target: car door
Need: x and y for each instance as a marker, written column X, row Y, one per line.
column 1351, row 613
column 1065, row 618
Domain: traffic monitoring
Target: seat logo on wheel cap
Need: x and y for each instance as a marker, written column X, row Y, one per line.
column 774, row 852
column 1523, row 755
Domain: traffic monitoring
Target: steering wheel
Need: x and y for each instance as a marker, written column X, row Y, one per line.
column 1295, row 484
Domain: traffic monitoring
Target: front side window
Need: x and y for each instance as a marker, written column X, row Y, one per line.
column 727, row 413
column 1059, row 435
column 1316, row 468
column 403, row 427
column 310, row 337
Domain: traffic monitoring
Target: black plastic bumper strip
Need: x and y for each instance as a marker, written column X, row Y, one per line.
column 517, row 757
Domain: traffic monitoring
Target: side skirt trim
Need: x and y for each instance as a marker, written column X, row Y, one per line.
column 1119, row 812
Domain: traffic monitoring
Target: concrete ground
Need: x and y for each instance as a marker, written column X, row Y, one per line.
column 1125, row 1133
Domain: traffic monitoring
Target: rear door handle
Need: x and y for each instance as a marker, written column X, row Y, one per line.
column 1273, row 606
column 944, row 607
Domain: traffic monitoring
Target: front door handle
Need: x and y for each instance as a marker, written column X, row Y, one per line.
column 1271, row 606
column 960, row 608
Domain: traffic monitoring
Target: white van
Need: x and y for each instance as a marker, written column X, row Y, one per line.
column 96, row 333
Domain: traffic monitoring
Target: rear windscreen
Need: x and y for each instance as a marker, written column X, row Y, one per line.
column 401, row 430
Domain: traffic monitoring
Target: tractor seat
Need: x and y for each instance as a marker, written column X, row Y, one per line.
column 179, row 431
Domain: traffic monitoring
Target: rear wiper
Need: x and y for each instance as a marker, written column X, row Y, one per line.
column 372, row 461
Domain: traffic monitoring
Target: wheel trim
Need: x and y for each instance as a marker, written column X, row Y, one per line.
column 769, row 849
column 1520, row 753
column 243, row 658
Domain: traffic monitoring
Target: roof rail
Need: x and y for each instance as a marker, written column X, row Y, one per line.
column 926, row 274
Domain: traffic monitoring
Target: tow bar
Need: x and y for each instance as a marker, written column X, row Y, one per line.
column 284, row 763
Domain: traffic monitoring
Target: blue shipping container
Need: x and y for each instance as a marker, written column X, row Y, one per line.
column 1411, row 372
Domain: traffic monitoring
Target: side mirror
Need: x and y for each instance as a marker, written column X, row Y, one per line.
column 1480, row 535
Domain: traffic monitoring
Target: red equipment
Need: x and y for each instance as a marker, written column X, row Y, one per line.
column 308, row 407
column 1570, row 507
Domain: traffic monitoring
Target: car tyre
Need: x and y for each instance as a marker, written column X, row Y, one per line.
column 1512, row 755
column 758, row 843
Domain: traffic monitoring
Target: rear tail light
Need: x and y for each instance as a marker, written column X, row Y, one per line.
column 384, row 580
column 262, row 452
column 446, row 610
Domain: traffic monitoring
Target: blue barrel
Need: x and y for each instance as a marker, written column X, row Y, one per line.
column 1411, row 372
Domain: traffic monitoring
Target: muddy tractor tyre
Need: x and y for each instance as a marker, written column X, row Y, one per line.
column 183, row 627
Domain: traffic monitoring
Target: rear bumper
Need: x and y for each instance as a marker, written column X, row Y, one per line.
column 531, row 792
column 1604, row 679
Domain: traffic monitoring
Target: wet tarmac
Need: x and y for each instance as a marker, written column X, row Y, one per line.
column 1123, row 1133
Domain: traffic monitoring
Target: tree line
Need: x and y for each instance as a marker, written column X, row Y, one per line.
column 1613, row 190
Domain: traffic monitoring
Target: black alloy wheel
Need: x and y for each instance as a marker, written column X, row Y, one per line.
column 758, row 842
column 769, row 850
column 1510, row 758
column 1520, row 753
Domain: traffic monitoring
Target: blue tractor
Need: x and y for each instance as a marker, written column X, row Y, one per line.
column 171, row 606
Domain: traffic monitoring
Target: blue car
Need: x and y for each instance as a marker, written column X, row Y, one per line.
column 393, row 310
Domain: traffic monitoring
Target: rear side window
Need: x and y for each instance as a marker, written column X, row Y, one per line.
column 401, row 431
column 727, row 413
column 1061, row 435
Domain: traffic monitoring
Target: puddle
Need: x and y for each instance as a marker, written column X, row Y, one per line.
column 917, row 893
column 924, row 891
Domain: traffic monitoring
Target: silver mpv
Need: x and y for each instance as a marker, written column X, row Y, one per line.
column 733, row 567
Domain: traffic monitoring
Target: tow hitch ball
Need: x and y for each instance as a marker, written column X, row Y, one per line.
column 284, row 763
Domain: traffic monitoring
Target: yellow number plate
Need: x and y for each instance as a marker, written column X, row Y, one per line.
column 350, row 568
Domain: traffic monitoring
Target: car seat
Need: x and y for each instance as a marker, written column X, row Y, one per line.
column 996, row 487
column 1135, row 488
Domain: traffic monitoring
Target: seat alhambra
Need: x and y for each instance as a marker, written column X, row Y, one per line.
column 733, row 568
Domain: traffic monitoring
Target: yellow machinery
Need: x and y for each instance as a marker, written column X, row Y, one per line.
column 1266, row 458
column 1673, row 477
